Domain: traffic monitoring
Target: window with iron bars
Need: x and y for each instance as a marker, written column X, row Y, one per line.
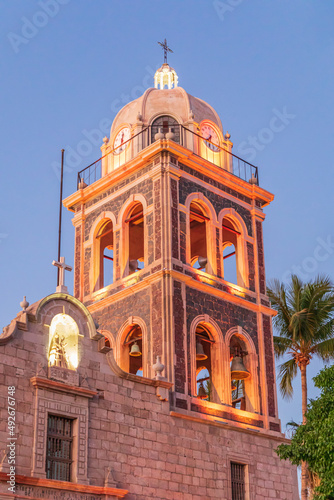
column 59, row 448
column 238, row 481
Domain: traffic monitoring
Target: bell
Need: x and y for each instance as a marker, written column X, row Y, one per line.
column 202, row 261
column 133, row 265
column 135, row 350
column 238, row 370
column 201, row 392
column 233, row 386
column 200, row 354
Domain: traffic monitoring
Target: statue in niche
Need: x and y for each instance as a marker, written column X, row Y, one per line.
column 63, row 343
column 58, row 355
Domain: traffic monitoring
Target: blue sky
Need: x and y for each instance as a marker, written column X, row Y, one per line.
column 66, row 67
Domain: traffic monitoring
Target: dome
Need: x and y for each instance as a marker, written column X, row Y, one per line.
column 175, row 102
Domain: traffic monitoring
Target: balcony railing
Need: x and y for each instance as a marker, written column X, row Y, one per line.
column 183, row 136
column 93, row 172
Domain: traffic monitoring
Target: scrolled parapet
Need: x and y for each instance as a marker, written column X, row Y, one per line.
column 8, row 332
column 162, row 385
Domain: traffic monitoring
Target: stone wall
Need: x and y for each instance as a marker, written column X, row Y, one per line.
column 151, row 452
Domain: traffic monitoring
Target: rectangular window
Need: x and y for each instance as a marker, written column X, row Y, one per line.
column 238, row 481
column 59, row 448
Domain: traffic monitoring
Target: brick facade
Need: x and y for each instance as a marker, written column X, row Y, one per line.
column 151, row 449
column 151, row 437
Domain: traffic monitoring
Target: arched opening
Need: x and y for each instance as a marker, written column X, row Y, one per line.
column 105, row 252
column 198, row 237
column 135, row 222
column 63, row 342
column 132, row 351
column 165, row 125
column 231, row 252
column 240, row 374
column 203, row 363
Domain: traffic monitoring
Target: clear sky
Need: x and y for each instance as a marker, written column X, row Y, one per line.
column 67, row 67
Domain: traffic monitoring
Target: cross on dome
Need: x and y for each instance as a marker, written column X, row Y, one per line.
column 165, row 76
column 62, row 266
column 166, row 49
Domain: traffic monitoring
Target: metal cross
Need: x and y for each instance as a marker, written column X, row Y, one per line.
column 62, row 266
column 166, row 49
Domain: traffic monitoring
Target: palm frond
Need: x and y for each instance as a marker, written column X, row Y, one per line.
column 287, row 372
column 325, row 349
column 277, row 296
column 292, row 424
column 281, row 345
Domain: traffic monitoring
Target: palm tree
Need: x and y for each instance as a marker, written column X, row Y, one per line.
column 304, row 321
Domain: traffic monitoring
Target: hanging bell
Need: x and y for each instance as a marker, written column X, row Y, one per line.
column 202, row 261
column 233, row 386
column 135, row 350
column 200, row 354
column 133, row 265
column 238, row 370
column 202, row 392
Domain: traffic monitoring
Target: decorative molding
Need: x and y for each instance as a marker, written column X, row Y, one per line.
column 231, row 425
column 75, row 408
column 45, row 383
column 197, row 284
column 72, row 300
column 182, row 154
column 61, row 486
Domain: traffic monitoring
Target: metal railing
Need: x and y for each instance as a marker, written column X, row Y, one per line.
column 236, row 166
column 93, row 172
column 201, row 147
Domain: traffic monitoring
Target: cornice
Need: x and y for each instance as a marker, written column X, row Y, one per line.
column 45, row 383
column 184, row 156
column 189, row 281
column 63, row 486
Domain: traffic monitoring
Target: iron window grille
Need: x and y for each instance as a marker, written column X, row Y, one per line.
column 59, row 448
column 238, row 481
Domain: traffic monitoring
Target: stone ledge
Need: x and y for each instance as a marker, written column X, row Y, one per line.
column 45, row 383
column 63, row 486
column 231, row 425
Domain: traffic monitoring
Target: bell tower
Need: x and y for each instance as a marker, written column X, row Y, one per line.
column 169, row 257
column 156, row 379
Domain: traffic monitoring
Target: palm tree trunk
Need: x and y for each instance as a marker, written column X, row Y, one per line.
column 304, row 477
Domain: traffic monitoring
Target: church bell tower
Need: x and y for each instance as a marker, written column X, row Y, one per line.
column 156, row 379
column 169, row 257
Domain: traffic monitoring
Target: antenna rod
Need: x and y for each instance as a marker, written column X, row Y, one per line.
column 60, row 210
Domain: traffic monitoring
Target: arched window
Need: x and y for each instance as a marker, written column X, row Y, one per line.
column 63, row 342
column 198, row 236
column 203, row 363
column 135, row 222
column 105, row 253
column 164, row 125
column 206, row 345
column 243, row 367
column 232, row 254
column 132, row 351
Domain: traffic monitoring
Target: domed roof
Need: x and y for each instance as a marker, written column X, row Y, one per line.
column 175, row 102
